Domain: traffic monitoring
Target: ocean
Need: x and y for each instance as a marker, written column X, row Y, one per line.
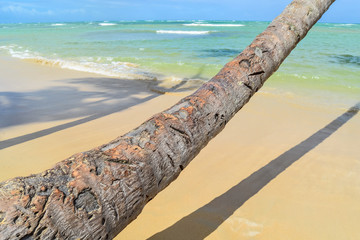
column 324, row 68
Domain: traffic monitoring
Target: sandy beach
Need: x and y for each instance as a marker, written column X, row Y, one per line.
column 281, row 169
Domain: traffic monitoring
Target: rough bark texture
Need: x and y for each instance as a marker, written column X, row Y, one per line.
column 95, row 194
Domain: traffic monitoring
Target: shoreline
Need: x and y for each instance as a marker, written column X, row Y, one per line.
column 314, row 198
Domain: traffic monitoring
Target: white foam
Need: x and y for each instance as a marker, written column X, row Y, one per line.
column 58, row 24
column 212, row 25
column 182, row 32
column 118, row 69
column 113, row 69
column 15, row 51
column 107, row 24
column 345, row 24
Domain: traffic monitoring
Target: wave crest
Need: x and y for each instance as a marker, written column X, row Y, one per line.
column 58, row 24
column 107, row 24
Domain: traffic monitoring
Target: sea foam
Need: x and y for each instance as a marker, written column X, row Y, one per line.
column 345, row 24
column 104, row 66
column 107, row 24
column 182, row 32
column 58, row 24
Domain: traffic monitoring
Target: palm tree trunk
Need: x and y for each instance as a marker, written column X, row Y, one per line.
column 95, row 194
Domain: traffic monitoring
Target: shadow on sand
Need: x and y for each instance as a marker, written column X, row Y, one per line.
column 111, row 95
column 68, row 102
column 205, row 220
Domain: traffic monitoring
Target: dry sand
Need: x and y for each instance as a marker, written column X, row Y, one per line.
column 253, row 181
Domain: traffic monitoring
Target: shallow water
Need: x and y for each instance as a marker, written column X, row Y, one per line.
column 324, row 66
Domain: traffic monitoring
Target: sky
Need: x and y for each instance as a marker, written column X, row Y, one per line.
column 342, row 11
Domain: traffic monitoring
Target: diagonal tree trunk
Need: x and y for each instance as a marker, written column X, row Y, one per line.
column 95, row 194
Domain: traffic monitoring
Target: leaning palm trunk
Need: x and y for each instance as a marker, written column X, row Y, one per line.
column 95, row 194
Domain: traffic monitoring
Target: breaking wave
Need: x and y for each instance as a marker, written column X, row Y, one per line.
column 107, row 24
column 105, row 66
column 58, row 24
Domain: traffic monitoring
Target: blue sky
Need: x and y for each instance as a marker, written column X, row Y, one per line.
column 342, row 11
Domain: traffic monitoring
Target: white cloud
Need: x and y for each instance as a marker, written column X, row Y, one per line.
column 15, row 9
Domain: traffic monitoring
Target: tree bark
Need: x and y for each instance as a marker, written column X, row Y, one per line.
column 95, row 194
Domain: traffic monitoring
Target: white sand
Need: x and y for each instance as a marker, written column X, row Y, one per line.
column 315, row 198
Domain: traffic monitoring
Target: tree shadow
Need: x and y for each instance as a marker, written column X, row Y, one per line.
column 67, row 101
column 186, row 84
column 205, row 220
column 110, row 95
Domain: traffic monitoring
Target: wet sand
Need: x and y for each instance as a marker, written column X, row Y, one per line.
column 281, row 169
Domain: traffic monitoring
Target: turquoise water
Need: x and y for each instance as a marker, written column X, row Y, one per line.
column 325, row 65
